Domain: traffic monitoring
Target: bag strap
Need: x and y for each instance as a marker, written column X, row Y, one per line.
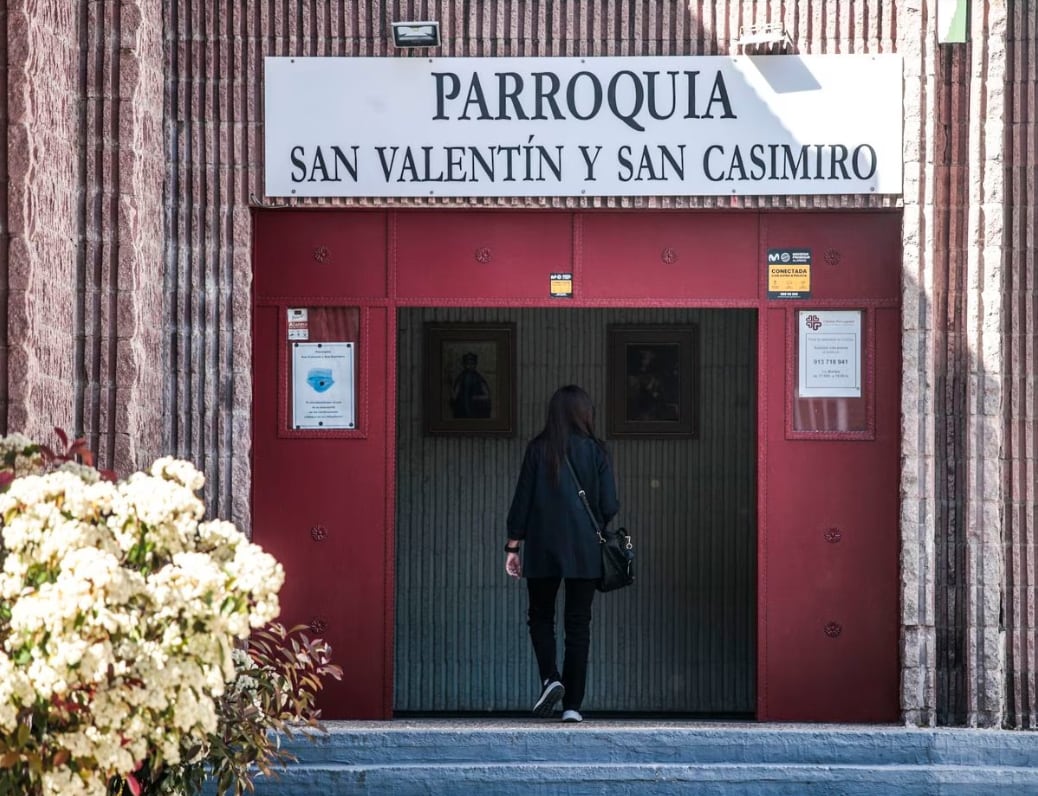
column 583, row 499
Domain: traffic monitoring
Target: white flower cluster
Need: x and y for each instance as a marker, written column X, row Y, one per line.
column 21, row 454
column 121, row 609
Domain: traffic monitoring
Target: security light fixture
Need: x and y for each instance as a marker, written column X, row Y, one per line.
column 767, row 39
column 416, row 34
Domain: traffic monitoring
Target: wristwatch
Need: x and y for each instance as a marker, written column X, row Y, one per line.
column 510, row 549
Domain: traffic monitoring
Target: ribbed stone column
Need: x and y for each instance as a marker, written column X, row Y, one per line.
column 918, row 412
column 1020, row 401
column 85, row 231
column 42, row 136
column 985, row 443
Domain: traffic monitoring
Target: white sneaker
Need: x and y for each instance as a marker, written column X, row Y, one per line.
column 552, row 693
column 572, row 716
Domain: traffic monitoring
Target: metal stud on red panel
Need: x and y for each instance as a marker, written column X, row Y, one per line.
column 482, row 255
column 833, row 535
column 318, row 533
column 318, row 625
column 831, row 256
column 669, row 255
column 833, row 629
column 321, row 254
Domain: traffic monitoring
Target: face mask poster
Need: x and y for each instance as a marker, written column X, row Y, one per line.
column 604, row 126
column 323, row 394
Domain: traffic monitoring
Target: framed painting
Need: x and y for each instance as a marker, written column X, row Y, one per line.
column 651, row 374
column 469, row 379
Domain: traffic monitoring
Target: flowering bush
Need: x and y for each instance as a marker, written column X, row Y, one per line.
column 120, row 609
column 274, row 693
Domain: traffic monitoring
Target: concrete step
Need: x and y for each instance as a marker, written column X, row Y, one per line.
column 487, row 757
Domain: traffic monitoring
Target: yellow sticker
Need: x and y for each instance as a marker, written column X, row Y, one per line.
column 561, row 286
column 789, row 278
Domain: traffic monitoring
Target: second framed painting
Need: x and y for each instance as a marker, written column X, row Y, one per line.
column 469, row 379
column 651, row 373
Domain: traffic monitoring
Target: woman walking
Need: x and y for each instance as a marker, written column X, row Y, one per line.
column 561, row 546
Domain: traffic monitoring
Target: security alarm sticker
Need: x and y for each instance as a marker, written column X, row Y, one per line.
column 561, row 286
column 789, row 273
column 323, row 380
column 298, row 324
column 830, row 353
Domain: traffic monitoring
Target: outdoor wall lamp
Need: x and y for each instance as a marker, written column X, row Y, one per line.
column 768, row 39
column 416, row 34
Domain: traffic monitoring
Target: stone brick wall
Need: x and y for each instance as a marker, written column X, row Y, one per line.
column 213, row 143
column 955, row 412
column 42, row 138
column 984, row 432
column 5, row 235
column 137, row 202
column 85, row 235
column 1020, row 399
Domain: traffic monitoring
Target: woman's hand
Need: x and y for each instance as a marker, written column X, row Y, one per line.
column 512, row 565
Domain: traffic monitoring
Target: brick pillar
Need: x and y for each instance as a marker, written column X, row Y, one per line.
column 918, row 460
column 985, row 443
column 42, row 212
column 140, row 369
column 84, row 142
column 1020, row 511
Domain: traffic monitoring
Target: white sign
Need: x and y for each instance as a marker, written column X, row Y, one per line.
column 830, row 353
column 618, row 126
column 323, row 385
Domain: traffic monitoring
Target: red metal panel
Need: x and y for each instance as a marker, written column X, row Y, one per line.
column 669, row 255
column 854, row 255
column 476, row 255
column 829, row 538
column 320, row 253
column 320, row 506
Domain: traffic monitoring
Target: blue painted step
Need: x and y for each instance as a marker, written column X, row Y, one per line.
column 621, row 757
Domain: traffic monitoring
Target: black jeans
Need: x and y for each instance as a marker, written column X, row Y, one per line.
column 577, row 618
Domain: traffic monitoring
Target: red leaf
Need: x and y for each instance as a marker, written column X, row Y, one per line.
column 134, row 785
column 62, row 436
column 109, row 475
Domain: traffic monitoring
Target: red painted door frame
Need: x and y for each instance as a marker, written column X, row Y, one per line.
column 380, row 260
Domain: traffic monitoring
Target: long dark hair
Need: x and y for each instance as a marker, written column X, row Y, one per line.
column 570, row 410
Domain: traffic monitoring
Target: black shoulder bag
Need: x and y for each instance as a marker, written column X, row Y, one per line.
column 615, row 546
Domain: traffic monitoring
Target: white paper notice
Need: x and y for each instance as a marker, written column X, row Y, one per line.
column 298, row 324
column 323, row 385
column 830, row 353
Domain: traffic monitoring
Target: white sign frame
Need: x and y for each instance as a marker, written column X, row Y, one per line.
column 607, row 126
column 830, row 353
column 324, row 386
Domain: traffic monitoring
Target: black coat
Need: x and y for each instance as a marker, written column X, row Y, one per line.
column 559, row 538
